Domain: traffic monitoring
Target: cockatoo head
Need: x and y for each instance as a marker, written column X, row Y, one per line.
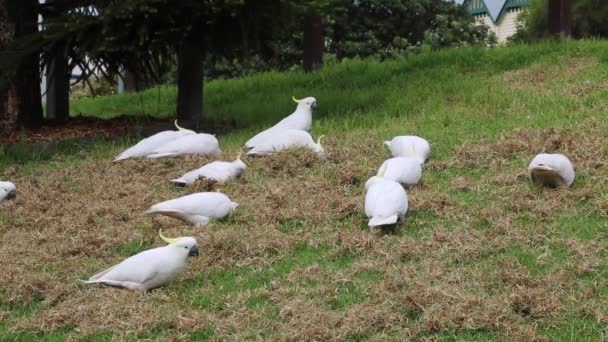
column 376, row 179
column 239, row 165
column 184, row 245
column 7, row 190
column 318, row 148
column 307, row 103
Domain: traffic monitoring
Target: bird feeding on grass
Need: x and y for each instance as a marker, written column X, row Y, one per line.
column 197, row 209
column 410, row 146
column 385, row 201
column 8, row 190
column 300, row 119
column 149, row 144
column 406, row 171
column 150, row 269
column 219, row 171
column 551, row 170
column 193, row 144
column 288, row 139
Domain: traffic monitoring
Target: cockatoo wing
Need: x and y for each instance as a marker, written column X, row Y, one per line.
column 208, row 204
column 147, row 145
column 186, row 145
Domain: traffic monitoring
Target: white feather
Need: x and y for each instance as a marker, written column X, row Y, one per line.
column 198, row 208
column 149, row 269
column 8, row 190
column 385, row 201
column 410, row 146
column 285, row 140
column 551, row 170
column 192, row 144
column 300, row 119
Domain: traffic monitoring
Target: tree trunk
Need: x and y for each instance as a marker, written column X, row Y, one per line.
column 190, row 80
column 560, row 17
column 22, row 100
column 313, row 43
column 566, row 18
column 134, row 81
column 58, row 86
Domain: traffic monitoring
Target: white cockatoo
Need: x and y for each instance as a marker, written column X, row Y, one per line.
column 150, row 269
column 287, row 139
column 8, row 190
column 552, row 170
column 149, row 144
column 197, row 209
column 301, row 119
column 406, row 171
column 385, row 201
column 410, row 146
column 219, row 171
column 192, row 144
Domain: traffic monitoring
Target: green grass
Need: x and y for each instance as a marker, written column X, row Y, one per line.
column 495, row 259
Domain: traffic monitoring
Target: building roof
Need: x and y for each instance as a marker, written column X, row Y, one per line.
column 493, row 8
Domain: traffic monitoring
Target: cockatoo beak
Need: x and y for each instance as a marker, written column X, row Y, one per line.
column 12, row 194
column 313, row 105
column 193, row 251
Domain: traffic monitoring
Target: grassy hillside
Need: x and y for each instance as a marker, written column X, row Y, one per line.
column 482, row 254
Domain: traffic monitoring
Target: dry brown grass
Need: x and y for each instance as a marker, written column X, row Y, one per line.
column 458, row 263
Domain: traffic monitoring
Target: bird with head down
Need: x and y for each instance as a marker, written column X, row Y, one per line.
column 385, row 201
column 218, row 171
column 551, row 170
column 300, row 119
column 150, row 269
column 7, row 191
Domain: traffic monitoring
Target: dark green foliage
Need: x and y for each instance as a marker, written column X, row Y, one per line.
column 589, row 19
column 386, row 28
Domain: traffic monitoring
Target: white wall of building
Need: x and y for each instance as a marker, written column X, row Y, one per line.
column 506, row 25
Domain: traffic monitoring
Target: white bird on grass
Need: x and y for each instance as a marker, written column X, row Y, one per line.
column 197, row 209
column 404, row 170
column 7, row 191
column 409, row 146
column 219, row 171
column 149, row 144
column 193, row 144
column 552, row 170
column 300, row 119
column 385, row 201
column 150, row 269
column 285, row 140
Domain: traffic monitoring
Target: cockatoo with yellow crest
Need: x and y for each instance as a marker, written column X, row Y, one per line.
column 219, row 171
column 552, row 170
column 385, row 201
column 287, row 139
column 150, row 269
column 300, row 119
column 410, row 146
column 197, row 209
column 149, row 144
column 7, row 191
